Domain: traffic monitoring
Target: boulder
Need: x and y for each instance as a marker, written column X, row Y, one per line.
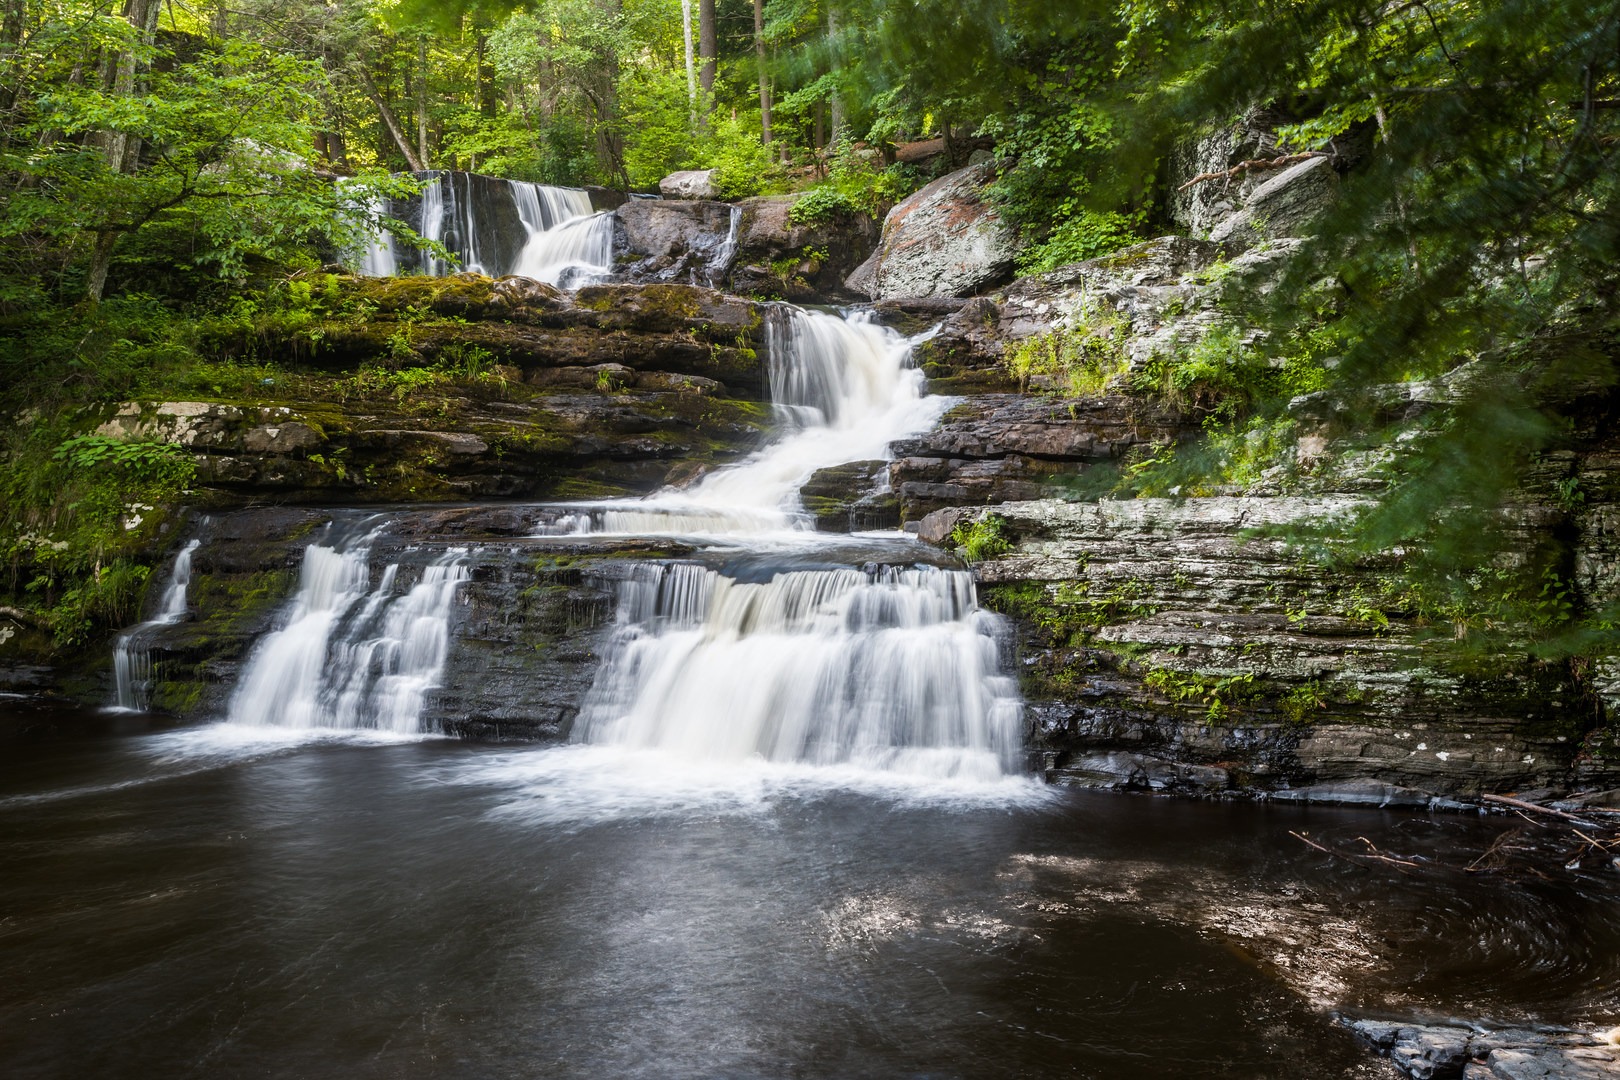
column 1286, row 205
column 805, row 263
column 690, row 184
column 945, row 240
column 661, row 241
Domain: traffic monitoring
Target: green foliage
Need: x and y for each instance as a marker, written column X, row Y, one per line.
column 1086, row 235
column 1082, row 361
column 80, row 514
column 819, row 206
column 1219, row 695
column 983, row 539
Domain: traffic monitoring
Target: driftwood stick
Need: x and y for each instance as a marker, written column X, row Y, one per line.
column 1520, row 804
column 1253, row 164
column 1354, row 855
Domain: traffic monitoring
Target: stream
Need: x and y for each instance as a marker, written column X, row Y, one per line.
column 227, row 901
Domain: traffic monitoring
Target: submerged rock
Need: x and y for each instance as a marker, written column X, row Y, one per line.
column 1485, row 1052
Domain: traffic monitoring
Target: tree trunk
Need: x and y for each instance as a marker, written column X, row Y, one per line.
column 422, row 101
column 122, row 150
column 691, row 68
column 391, row 122
column 764, row 77
column 708, row 50
column 95, row 282
column 836, row 103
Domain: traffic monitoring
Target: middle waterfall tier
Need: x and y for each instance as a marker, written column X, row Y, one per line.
column 349, row 655
column 888, row 669
column 844, row 389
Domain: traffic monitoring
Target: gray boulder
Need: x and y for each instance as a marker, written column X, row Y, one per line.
column 691, row 184
column 1286, row 205
column 945, row 240
column 662, row 241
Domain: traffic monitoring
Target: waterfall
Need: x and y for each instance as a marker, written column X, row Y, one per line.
column 432, row 227
column 889, row 669
column 568, row 244
column 845, row 387
column 132, row 657
column 727, row 252
column 500, row 227
column 350, row 656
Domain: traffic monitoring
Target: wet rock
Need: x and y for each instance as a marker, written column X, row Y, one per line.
column 1483, row 1052
column 657, row 240
column 1193, row 633
column 690, row 184
column 802, row 263
column 851, row 498
column 945, row 240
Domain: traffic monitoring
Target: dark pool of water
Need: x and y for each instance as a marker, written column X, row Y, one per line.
column 206, row 903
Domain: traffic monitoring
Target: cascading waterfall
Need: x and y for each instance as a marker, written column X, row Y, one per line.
column 888, row 669
column 885, row 669
column 565, row 242
column 132, row 657
column 349, row 656
column 845, row 388
column 727, row 254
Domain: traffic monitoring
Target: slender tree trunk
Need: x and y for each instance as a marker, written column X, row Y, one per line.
column 122, row 150
column 764, row 76
column 836, row 104
column 708, row 50
column 422, row 101
column 391, row 122
column 691, row 68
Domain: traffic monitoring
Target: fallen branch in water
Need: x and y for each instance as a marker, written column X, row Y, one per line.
column 1520, row 804
column 1372, row 852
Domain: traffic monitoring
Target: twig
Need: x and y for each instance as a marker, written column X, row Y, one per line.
column 1353, row 855
column 1507, row 800
column 1252, row 164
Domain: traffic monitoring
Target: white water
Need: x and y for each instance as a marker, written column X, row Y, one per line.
column 567, row 244
column 350, row 656
column 845, row 389
column 894, row 670
column 132, row 658
column 727, row 252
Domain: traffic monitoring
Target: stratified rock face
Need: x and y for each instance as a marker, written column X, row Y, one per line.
column 657, row 240
column 691, row 184
column 601, row 392
column 945, row 240
column 1187, row 645
column 997, row 448
column 803, row 263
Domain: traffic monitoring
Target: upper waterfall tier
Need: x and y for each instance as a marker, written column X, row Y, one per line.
column 496, row 227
